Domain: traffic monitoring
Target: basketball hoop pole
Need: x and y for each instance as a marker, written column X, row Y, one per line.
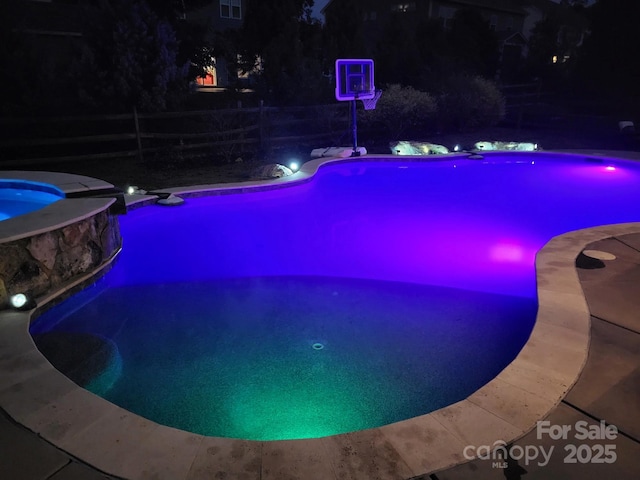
column 354, row 77
column 354, row 127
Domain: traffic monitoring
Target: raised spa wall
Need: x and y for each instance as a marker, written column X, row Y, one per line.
column 48, row 250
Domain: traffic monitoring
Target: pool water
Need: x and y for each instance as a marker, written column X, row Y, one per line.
column 18, row 197
column 297, row 357
column 375, row 292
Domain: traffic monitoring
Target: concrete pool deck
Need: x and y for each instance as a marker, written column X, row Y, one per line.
column 74, row 428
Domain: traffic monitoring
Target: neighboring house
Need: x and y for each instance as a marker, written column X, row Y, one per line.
column 573, row 27
column 54, row 30
column 218, row 16
column 502, row 15
column 512, row 20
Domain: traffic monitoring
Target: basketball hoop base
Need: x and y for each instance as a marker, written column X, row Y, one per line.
column 337, row 152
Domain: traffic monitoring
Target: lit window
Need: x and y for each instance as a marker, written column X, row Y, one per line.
column 230, row 9
column 404, row 7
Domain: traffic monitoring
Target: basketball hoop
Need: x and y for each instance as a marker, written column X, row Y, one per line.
column 370, row 103
column 354, row 81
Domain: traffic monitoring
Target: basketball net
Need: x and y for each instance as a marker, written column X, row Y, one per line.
column 370, row 103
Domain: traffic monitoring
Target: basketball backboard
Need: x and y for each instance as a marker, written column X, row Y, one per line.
column 354, row 79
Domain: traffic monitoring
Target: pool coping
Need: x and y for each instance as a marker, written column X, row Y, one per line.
column 123, row 444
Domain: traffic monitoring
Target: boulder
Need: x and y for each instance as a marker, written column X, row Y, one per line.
column 272, row 170
column 506, row 146
column 417, row 148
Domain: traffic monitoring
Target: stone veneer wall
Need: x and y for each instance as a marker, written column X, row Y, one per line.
column 46, row 262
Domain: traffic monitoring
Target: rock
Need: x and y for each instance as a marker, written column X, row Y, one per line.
column 4, row 296
column 627, row 127
column 273, row 170
column 508, row 146
column 75, row 234
column 171, row 200
column 417, row 148
column 44, row 248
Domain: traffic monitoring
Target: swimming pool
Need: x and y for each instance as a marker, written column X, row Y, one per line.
column 450, row 229
column 18, row 197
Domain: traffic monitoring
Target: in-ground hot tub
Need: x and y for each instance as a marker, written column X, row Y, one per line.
column 378, row 291
column 18, row 197
column 55, row 228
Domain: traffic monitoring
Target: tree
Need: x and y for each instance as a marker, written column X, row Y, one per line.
column 344, row 31
column 473, row 44
column 608, row 60
column 397, row 52
column 197, row 43
column 130, row 59
column 282, row 40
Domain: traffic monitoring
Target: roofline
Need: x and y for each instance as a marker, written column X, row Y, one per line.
column 326, row 6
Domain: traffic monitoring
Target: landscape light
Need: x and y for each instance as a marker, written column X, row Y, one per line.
column 294, row 165
column 134, row 190
column 20, row 301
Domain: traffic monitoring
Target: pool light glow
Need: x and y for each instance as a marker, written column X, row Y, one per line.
column 20, row 301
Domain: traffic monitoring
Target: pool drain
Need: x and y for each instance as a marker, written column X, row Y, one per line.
column 317, row 346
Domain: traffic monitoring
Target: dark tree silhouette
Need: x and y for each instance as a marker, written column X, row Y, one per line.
column 398, row 51
column 609, row 56
column 344, row 31
column 473, row 44
column 281, row 45
column 130, row 59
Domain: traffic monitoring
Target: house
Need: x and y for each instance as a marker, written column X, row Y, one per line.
column 218, row 16
column 502, row 15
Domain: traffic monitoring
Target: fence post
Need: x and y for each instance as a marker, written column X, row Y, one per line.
column 261, row 127
column 139, row 140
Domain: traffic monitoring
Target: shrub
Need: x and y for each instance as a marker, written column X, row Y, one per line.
column 469, row 103
column 401, row 110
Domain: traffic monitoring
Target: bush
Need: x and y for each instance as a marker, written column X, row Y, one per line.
column 401, row 110
column 469, row 103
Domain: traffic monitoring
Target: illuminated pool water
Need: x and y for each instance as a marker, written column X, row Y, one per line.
column 18, row 197
column 375, row 292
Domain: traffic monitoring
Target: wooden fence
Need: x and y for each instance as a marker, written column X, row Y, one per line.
column 521, row 99
column 224, row 134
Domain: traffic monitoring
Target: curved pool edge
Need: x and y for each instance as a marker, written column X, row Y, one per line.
column 309, row 169
column 123, row 444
